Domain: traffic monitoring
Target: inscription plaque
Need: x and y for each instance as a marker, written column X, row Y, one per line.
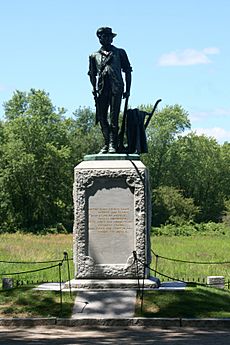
column 110, row 222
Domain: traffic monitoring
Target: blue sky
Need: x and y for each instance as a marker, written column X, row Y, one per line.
column 179, row 51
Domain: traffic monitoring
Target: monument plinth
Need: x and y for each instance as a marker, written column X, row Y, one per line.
column 111, row 218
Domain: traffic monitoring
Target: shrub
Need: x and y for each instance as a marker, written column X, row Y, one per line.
column 189, row 229
column 170, row 206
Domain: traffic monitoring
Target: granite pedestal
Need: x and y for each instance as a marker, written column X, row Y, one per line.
column 111, row 219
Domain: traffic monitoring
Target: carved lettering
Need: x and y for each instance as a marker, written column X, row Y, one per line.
column 110, row 219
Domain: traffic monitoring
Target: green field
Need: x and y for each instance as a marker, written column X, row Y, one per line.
column 32, row 248
column 193, row 302
column 197, row 248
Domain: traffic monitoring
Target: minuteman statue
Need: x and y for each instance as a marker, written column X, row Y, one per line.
column 105, row 72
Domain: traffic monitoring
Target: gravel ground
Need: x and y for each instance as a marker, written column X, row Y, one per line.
column 112, row 335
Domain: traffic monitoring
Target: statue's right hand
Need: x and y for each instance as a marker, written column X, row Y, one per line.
column 126, row 94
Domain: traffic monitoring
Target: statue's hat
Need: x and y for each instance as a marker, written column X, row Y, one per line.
column 105, row 30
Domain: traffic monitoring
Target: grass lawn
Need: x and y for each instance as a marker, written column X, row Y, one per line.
column 196, row 302
column 192, row 303
column 26, row 302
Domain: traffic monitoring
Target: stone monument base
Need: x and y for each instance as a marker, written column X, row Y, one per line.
column 112, row 212
column 116, row 284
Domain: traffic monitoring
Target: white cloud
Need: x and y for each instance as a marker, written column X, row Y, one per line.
column 211, row 50
column 187, row 57
column 215, row 113
column 220, row 134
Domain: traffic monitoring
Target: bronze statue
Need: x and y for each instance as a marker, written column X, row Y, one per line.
column 105, row 72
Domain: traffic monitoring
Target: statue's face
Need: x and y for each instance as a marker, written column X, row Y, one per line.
column 106, row 39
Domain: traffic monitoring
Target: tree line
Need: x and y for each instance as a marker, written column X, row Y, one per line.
column 40, row 146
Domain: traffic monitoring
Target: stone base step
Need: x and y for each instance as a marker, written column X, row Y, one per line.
column 148, row 283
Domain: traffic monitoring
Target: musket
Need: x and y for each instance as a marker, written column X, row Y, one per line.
column 151, row 114
column 95, row 96
column 122, row 131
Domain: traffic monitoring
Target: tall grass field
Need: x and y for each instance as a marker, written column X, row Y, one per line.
column 210, row 254
column 22, row 253
column 27, row 249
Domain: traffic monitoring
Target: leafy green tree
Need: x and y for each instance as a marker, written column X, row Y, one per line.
column 225, row 181
column 225, row 169
column 40, row 148
column 196, row 169
column 197, row 166
column 86, row 138
column 36, row 175
column 163, row 130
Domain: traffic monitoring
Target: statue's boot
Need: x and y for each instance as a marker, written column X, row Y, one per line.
column 105, row 148
column 113, row 142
